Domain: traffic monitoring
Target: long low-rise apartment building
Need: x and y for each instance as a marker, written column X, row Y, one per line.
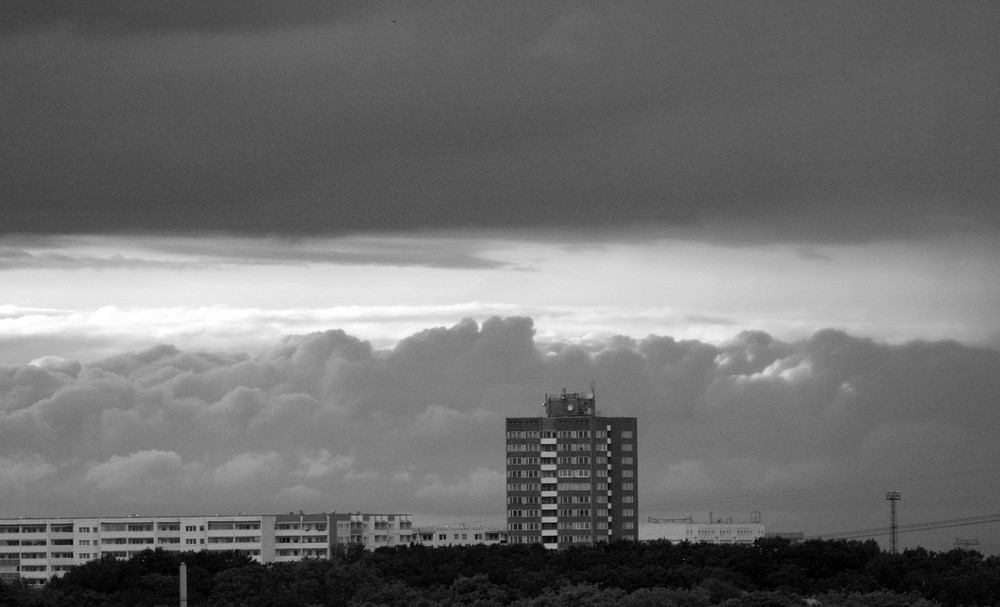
column 459, row 535
column 35, row 549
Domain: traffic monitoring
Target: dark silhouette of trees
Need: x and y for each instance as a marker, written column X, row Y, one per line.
column 629, row 574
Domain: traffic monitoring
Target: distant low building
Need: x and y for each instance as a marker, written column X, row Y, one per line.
column 792, row 536
column 459, row 535
column 686, row 530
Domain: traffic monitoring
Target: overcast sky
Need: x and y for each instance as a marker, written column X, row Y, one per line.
column 277, row 255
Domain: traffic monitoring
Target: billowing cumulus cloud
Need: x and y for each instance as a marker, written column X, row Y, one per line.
column 245, row 469
column 479, row 483
column 808, row 431
column 323, row 463
column 17, row 473
column 138, row 470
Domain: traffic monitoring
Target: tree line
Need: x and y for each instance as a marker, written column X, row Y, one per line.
column 770, row 572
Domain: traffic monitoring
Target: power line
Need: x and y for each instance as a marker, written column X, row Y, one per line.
column 808, row 490
column 912, row 527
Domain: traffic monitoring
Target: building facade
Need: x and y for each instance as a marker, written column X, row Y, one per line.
column 459, row 535
column 572, row 475
column 35, row 549
column 708, row 533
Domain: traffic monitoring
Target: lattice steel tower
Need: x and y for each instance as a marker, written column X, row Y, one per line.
column 892, row 497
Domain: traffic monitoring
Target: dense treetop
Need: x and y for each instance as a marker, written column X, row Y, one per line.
column 771, row 572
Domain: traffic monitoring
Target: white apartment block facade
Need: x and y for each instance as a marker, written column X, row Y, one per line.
column 35, row 549
column 459, row 535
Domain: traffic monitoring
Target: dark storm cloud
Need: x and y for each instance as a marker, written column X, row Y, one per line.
column 109, row 16
column 782, row 121
column 325, row 421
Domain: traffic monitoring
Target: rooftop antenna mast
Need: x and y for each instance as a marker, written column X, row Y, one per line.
column 892, row 497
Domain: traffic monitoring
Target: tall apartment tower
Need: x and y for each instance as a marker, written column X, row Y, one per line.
column 571, row 475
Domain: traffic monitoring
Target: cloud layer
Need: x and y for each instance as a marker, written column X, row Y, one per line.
column 810, row 432
column 783, row 121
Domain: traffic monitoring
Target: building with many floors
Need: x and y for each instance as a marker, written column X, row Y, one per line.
column 36, row 549
column 572, row 475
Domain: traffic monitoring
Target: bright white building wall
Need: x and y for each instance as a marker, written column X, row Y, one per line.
column 712, row 533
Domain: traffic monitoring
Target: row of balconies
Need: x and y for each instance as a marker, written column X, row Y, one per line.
column 32, row 530
column 305, row 539
column 34, row 556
